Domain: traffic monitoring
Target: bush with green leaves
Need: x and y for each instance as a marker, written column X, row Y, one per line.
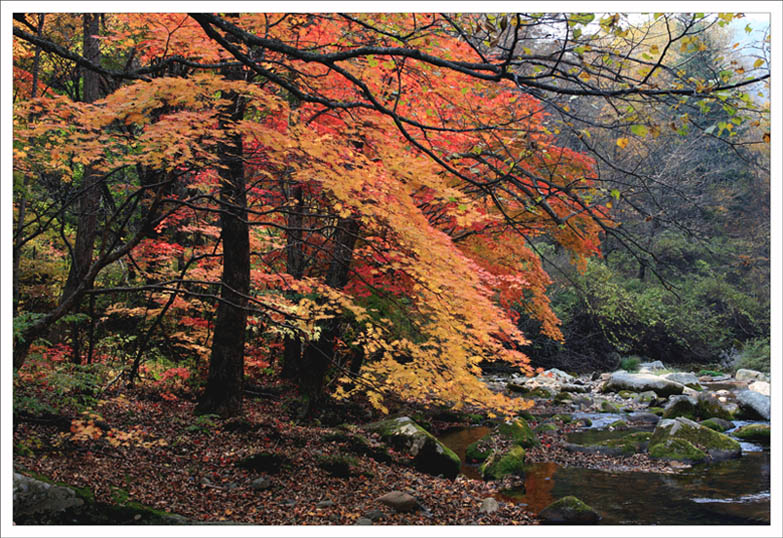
column 754, row 355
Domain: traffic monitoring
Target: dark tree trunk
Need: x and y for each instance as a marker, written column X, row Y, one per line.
column 319, row 354
column 223, row 393
column 292, row 346
column 90, row 195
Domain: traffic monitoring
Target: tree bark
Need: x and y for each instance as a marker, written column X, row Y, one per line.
column 319, row 354
column 292, row 346
column 89, row 198
column 223, row 393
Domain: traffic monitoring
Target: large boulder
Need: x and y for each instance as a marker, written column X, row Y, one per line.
column 568, row 511
column 753, row 404
column 33, row 496
column 744, row 374
column 654, row 365
column 717, row 424
column 678, row 450
column 518, row 432
column 429, row 455
column 642, row 382
column 715, row 445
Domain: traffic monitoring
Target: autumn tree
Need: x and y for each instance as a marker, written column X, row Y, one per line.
column 424, row 147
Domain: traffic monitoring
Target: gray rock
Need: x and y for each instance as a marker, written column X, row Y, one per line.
column 399, row 501
column 684, row 378
column 643, row 418
column 260, row 484
column 324, row 504
column 489, row 505
column 363, row 521
column 762, row 387
column 572, row 387
column 654, row 365
column 744, row 374
column 642, row 382
column 33, row 496
column 753, row 403
column 568, row 511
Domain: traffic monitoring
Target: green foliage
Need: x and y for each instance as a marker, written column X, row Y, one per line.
column 755, row 355
column 630, row 364
column 204, row 423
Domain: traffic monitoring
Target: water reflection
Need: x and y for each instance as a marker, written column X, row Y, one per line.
column 733, row 492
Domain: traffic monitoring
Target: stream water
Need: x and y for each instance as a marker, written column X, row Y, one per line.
column 734, row 492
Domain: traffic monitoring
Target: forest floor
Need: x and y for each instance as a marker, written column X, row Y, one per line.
column 139, row 447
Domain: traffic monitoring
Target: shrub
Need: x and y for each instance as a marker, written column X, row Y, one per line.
column 754, row 355
column 630, row 364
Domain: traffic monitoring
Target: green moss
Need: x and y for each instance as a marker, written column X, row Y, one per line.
column 568, row 510
column 609, row 407
column 499, row 465
column 626, row 394
column 629, row 444
column 619, row 425
column 338, row 465
column 656, row 410
column 754, row 432
column 716, row 444
column 585, row 421
column 677, row 449
column 714, row 424
column 526, row 415
column 563, row 397
column 546, row 427
column 474, row 454
column 519, row 432
column 563, row 417
column 475, row 419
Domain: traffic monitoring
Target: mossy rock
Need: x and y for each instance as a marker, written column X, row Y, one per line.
column 709, row 406
column 562, row 417
column 656, row 410
column 584, row 421
column 619, row 425
column 717, row 446
column 519, row 432
column 717, row 424
column 681, row 406
column 753, row 432
column 629, row 444
column 563, row 397
column 428, row 454
column 568, row 511
column 538, row 392
column 546, row 427
column 498, row 465
column 475, row 419
column 646, row 396
column 626, row 394
column 473, row 454
column 609, row 407
column 679, row 450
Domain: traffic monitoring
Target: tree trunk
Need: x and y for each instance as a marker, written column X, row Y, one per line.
column 89, row 198
column 292, row 346
column 223, row 393
column 319, row 354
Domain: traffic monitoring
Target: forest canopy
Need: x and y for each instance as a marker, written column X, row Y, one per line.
column 377, row 205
